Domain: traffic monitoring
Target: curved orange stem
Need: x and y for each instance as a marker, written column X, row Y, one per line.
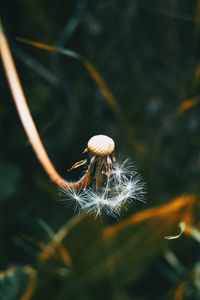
column 27, row 121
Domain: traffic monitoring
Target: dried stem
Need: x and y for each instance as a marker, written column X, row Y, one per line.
column 27, row 121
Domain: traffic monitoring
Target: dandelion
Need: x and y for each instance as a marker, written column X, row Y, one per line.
column 106, row 185
column 112, row 184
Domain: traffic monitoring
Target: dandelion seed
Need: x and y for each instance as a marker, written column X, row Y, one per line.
column 112, row 184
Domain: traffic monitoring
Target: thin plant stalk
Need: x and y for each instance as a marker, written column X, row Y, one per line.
column 26, row 118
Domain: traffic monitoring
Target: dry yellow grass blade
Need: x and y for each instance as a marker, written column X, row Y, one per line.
column 117, row 250
column 179, row 293
column 50, row 250
column 180, row 209
column 187, row 105
column 128, row 129
column 29, row 291
column 56, row 244
column 145, row 230
column 136, row 147
column 31, row 286
column 36, row 44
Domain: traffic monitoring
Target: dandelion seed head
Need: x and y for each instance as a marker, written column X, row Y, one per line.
column 110, row 184
column 101, row 145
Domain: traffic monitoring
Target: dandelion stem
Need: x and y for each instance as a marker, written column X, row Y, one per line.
column 27, row 121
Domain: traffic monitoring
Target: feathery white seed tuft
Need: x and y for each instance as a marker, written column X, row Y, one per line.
column 125, row 186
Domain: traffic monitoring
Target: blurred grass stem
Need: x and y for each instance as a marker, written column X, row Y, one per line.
column 128, row 129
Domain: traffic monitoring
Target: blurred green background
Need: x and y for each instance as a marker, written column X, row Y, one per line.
column 148, row 54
